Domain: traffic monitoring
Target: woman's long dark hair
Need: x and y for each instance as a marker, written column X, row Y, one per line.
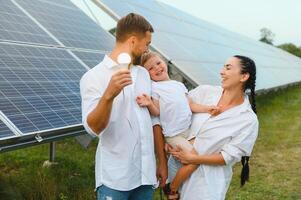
column 248, row 66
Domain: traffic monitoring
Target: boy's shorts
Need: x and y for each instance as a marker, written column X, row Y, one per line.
column 180, row 140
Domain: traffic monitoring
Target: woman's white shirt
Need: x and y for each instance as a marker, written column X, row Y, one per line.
column 232, row 133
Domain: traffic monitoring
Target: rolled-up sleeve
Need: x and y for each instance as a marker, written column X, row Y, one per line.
column 154, row 91
column 155, row 121
column 198, row 94
column 90, row 96
column 241, row 144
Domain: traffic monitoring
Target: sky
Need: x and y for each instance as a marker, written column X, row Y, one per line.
column 282, row 17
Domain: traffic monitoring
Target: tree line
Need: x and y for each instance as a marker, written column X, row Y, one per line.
column 267, row 36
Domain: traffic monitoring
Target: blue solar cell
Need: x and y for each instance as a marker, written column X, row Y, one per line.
column 7, row 106
column 5, row 131
column 69, row 24
column 16, row 26
column 89, row 58
column 39, row 92
column 23, row 123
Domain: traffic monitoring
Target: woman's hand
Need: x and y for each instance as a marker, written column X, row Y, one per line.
column 184, row 156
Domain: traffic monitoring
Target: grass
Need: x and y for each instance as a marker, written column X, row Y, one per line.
column 276, row 159
column 275, row 163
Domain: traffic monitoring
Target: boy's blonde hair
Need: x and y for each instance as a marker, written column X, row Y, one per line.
column 146, row 56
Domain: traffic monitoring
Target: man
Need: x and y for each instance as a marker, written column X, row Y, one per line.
column 125, row 162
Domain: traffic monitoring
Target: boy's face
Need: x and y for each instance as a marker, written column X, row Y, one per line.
column 157, row 69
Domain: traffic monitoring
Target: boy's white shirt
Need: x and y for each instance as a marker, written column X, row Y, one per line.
column 175, row 113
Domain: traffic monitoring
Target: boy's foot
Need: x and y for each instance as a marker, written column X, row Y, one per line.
column 171, row 195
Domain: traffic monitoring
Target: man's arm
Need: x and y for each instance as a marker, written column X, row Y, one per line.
column 98, row 118
column 161, row 156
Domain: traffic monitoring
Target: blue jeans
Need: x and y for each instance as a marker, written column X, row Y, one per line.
column 144, row 192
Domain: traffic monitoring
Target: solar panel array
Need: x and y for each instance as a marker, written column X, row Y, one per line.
column 41, row 43
column 199, row 49
column 16, row 26
column 68, row 24
column 46, row 46
column 39, row 87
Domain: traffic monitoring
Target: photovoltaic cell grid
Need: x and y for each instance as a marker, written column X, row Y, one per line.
column 39, row 87
column 89, row 58
column 4, row 130
column 69, row 24
column 16, row 26
column 199, row 49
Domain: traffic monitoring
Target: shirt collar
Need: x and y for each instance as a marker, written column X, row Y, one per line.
column 109, row 62
column 245, row 106
column 236, row 111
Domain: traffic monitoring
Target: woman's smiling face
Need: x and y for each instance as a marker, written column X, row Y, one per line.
column 231, row 74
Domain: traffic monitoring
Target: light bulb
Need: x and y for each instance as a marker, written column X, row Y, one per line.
column 124, row 59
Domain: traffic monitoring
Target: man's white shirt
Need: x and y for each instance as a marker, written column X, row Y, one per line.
column 125, row 156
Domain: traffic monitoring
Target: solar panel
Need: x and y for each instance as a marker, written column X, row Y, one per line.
column 68, row 24
column 5, row 131
column 39, row 87
column 199, row 49
column 16, row 26
column 91, row 59
column 60, row 2
column 45, row 48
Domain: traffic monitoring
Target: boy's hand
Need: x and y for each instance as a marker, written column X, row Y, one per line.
column 214, row 110
column 143, row 100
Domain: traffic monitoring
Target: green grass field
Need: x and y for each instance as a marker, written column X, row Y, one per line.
column 275, row 163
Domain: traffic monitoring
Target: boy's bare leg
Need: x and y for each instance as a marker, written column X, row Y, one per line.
column 183, row 173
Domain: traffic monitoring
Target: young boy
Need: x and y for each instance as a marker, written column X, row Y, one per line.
column 169, row 101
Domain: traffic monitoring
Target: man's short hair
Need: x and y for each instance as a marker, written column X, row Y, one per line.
column 132, row 24
column 148, row 55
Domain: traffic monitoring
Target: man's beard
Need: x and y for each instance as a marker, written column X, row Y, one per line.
column 136, row 59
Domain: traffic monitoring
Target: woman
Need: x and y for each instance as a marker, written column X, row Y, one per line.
column 223, row 139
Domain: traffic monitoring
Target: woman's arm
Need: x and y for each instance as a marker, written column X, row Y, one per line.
column 192, row 157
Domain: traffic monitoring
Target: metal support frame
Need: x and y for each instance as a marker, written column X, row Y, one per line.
column 50, row 136
column 51, row 152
